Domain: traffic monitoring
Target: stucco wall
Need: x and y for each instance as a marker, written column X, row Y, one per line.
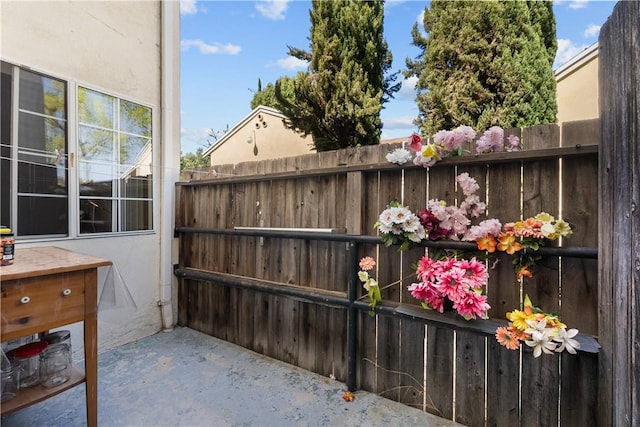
column 577, row 93
column 254, row 141
column 115, row 47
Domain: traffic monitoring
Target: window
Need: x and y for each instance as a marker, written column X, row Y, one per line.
column 114, row 164
column 39, row 201
column 108, row 190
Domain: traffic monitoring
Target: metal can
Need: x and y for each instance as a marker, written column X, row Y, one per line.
column 7, row 246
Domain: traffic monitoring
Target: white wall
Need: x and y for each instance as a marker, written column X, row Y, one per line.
column 114, row 46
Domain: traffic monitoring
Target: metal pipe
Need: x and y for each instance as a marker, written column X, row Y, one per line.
column 568, row 251
column 352, row 316
column 588, row 344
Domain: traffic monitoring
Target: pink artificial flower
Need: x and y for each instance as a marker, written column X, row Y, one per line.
column 471, row 305
column 427, row 293
column 514, row 143
column 492, row 140
column 451, row 283
column 468, row 184
column 367, row 263
column 415, row 142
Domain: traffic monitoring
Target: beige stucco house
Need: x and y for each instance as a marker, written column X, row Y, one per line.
column 577, row 87
column 91, row 147
column 260, row 135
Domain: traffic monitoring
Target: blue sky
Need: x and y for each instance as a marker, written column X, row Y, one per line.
column 228, row 45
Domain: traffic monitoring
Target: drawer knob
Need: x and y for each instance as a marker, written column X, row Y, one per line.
column 25, row 300
column 66, row 292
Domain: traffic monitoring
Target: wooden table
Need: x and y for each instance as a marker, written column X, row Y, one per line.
column 46, row 288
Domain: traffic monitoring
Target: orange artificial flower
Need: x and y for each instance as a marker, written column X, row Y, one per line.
column 487, row 243
column 508, row 243
column 524, row 272
column 507, row 338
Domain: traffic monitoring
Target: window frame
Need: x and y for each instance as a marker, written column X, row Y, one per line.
column 72, row 121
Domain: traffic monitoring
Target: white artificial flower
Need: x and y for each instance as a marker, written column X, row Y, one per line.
column 363, row 276
column 565, row 338
column 370, row 283
column 399, row 156
column 412, row 224
column 399, row 214
column 540, row 342
column 547, row 230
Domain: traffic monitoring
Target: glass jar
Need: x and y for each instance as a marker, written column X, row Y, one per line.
column 28, row 359
column 58, row 338
column 55, row 365
column 9, row 383
column 7, row 246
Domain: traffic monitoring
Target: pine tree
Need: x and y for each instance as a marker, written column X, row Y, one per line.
column 338, row 100
column 485, row 64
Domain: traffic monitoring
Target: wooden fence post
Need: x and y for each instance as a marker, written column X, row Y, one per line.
column 619, row 211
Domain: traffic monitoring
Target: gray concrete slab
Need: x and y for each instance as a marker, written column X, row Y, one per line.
column 186, row 378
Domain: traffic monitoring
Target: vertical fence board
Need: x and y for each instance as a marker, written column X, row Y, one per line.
column 439, row 372
column 389, row 267
column 470, row 378
column 579, row 390
column 540, row 378
column 503, row 293
column 503, row 384
column 580, row 276
column 619, row 228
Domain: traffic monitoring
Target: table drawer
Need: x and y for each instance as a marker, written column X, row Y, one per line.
column 39, row 304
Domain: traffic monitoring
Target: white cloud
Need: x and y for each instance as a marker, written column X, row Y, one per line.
column 408, row 88
column 192, row 139
column 578, row 4
column 188, row 7
column 592, row 31
column 210, row 49
column 291, row 63
column 567, row 50
column 272, row 9
column 402, row 122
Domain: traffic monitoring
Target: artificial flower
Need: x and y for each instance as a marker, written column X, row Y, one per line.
column 524, row 272
column 541, row 331
column 367, row 263
column 487, row 243
column 415, row 142
column 492, row 140
column 540, row 342
column 508, row 243
column 458, row 280
column 399, row 156
column 507, row 338
column 448, row 143
column 369, row 283
column 565, row 338
column 398, row 225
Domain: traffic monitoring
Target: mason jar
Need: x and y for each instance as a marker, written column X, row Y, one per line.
column 27, row 358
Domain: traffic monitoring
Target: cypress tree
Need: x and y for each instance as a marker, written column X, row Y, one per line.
column 338, row 100
column 485, row 64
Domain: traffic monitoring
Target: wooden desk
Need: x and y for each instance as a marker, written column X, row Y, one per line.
column 47, row 288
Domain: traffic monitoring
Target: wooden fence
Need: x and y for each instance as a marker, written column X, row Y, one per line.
column 290, row 297
column 448, row 368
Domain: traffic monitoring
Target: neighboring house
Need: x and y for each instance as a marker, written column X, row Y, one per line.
column 91, row 146
column 260, row 135
column 577, row 87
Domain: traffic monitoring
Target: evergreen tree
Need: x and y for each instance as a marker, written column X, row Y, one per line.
column 267, row 96
column 485, row 64
column 338, row 100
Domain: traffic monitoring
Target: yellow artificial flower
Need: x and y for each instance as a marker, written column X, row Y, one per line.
column 563, row 228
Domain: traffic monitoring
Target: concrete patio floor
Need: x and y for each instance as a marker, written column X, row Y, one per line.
column 186, row 378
